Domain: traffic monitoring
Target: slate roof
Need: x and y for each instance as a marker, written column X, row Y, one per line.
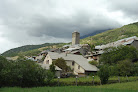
column 125, row 41
column 79, row 59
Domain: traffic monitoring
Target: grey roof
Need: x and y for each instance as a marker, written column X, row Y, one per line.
column 79, row 59
column 75, row 51
column 125, row 41
column 45, row 51
column 71, row 49
column 46, row 66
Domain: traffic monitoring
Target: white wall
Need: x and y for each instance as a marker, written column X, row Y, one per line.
column 46, row 59
column 76, row 69
column 69, row 63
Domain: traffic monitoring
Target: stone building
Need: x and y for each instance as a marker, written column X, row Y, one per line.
column 75, row 38
column 77, row 63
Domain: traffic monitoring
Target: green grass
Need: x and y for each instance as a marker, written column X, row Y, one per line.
column 123, row 86
column 117, row 87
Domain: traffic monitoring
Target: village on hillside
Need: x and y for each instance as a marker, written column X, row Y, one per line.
column 74, row 64
column 78, row 56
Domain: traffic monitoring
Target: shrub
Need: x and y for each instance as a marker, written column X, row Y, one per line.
column 61, row 63
column 49, row 76
column 135, row 69
column 52, row 68
column 104, row 74
column 24, row 73
column 93, row 63
column 113, row 55
column 125, row 67
column 113, row 70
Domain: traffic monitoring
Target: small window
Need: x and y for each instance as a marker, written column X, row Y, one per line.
column 79, row 67
column 73, row 63
column 47, row 62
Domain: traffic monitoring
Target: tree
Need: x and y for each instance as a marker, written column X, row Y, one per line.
column 24, row 73
column 31, row 74
column 113, row 55
column 104, row 74
column 135, row 69
column 113, row 70
column 60, row 62
column 49, row 76
column 125, row 67
column 52, row 68
column 4, row 70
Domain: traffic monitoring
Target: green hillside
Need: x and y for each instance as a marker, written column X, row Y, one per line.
column 113, row 35
column 29, row 49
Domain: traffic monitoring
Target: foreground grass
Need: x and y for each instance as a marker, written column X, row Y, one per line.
column 117, row 87
column 122, row 86
column 63, row 89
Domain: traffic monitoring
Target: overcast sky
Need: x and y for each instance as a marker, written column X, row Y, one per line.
column 25, row 22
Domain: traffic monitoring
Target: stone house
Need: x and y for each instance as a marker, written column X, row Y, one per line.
column 77, row 63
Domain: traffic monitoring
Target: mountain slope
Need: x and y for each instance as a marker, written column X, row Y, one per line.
column 27, row 49
column 93, row 33
column 112, row 35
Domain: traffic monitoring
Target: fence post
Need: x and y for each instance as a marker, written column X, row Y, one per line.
column 100, row 82
column 93, row 80
column 127, row 78
column 76, row 80
column 118, row 79
column 58, row 80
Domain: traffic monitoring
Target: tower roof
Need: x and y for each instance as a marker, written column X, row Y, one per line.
column 75, row 32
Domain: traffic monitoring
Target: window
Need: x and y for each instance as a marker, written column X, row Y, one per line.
column 47, row 62
column 73, row 63
column 79, row 67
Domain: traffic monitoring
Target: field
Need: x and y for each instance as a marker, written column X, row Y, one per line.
column 117, row 87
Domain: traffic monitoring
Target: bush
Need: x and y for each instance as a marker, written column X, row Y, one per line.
column 61, row 63
column 113, row 70
column 49, row 76
column 24, row 73
column 52, row 68
column 4, row 70
column 113, row 55
column 104, row 74
column 135, row 69
column 93, row 63
column 125, row 67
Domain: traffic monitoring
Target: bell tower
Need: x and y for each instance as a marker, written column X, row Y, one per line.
column 75, row 38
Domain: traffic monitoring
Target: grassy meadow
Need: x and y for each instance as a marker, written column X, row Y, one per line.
column 117, row 87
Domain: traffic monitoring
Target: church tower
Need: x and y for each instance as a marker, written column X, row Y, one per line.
column 75, row 38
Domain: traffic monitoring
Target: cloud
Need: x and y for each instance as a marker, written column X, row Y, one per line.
column 128, row 7
column 35, row 22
